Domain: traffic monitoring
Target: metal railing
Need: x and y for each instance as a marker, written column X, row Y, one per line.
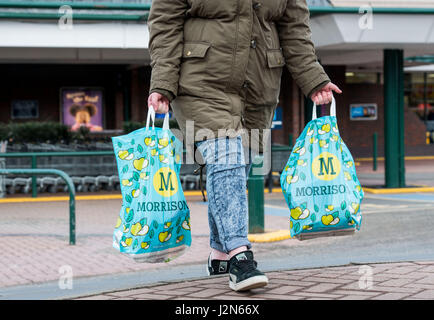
column 68, row 182
column 35, row 155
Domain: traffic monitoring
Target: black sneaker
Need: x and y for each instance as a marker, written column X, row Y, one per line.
column 243, row 274
column 216, row 267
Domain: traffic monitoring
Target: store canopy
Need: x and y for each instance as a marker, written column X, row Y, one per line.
column 85, row 32
column 117, row 32
column 423, row 68
column 357, row 36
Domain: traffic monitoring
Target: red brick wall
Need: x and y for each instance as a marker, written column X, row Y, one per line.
column 358, row 134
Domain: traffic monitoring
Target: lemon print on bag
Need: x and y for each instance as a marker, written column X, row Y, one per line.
column 163, row 142
column 186, row 225
column 126, row 242
column 330, row 219
column 140, row 164
column 324, row 129
column 300, row 150
column 163, row 158
column 144, row 245
column 179, row 238
column 149, row 141
column 140, row 228
column 118, row 223
column 144, row 176
column 165, row 182
column 326, row 166
column 127, row 183
column 309, row 132
column 177, row 158
column 165, row 236
column 291, row 179
column 126, row 154
column 135, row 193
column 323, row 144
column 299, row 214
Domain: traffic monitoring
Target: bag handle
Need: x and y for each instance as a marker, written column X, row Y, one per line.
column 332, row 109
column 151, row 115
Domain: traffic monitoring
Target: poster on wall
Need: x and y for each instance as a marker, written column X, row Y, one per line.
column 82, row 107
column 24, row 109
column 363, row 111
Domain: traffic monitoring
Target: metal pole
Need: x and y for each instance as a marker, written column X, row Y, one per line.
column 394, row 118
column 374, row 151
column 270, row 174
column 34, row 182
column 255, row 185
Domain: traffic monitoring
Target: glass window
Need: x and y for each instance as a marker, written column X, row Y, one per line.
column 361, row 77
column 419, row 94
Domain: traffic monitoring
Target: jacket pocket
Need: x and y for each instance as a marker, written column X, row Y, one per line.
column 275, row 58
column 195, row 50
column 193, row 71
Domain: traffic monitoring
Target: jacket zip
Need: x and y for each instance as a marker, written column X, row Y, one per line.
column 235, row 46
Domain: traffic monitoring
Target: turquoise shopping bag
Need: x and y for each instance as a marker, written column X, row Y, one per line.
column 154, row 220
column 319, row 182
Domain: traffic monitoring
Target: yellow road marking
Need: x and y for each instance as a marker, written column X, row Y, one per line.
column 406, row 158
column 199, row 193
column 269, row 236
column 398, row 190
column 84, row 197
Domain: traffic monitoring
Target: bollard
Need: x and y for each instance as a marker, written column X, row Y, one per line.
column 374, row 151
column 255, row 185
column 34, row 183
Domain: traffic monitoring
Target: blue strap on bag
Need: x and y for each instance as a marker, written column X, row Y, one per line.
column 319, row 182
column 154, row 221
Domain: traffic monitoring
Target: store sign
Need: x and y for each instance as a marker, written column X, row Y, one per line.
column 82, row 108
column 25, row 109
column 366, row 111
column 277, row 119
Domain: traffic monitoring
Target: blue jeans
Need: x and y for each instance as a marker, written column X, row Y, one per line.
column 226, row 190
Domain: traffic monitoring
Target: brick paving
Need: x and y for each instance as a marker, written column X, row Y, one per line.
column 390, row 281
column 34, row 243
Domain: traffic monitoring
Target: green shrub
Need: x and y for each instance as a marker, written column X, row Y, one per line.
column 36, row 132
column 54, row 132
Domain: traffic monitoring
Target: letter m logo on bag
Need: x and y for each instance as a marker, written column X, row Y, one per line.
column 165, row 182
column 326, row 166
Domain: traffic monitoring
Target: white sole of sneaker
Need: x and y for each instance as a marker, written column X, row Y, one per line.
column 250, row 283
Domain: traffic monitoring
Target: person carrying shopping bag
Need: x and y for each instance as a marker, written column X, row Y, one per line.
column 219, row 65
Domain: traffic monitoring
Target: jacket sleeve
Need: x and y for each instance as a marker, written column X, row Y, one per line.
column 298, row 49
column 166, row 26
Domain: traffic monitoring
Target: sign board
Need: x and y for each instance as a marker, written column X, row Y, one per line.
column 277, row 119
column 363, row 111
column 24, row 109
column 82, row 107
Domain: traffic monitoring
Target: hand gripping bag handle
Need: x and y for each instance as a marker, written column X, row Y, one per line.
column 332, row 109
column 151, row 115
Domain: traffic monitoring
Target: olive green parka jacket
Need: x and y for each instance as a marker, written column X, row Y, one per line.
column 217, row 60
